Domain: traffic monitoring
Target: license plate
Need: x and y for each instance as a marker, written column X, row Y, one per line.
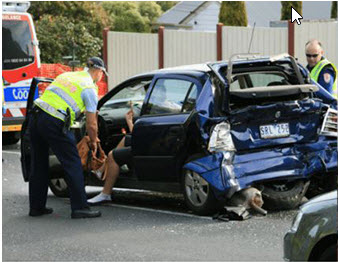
column 275, row 130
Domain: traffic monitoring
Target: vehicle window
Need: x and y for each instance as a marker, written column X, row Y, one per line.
column 266, row 79
column 191, row 100
column 237, row 83
column 249, row 80
column 168, row 96
column 17, row 46
column 135, row 93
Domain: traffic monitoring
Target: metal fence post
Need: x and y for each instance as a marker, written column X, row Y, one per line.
column 219, row 41
column 291, row 38
column 160, row 47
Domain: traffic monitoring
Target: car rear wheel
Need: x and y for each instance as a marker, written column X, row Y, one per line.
column 283, row 195
column 198, row 194
column 59, row 187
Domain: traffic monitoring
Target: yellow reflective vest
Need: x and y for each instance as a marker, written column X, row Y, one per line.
column 315, row 72
column 65, row 92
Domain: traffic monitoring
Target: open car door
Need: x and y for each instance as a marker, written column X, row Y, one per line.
column 25, row 146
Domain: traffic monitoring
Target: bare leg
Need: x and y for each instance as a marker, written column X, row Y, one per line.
column 113, row 171
column 103, row 167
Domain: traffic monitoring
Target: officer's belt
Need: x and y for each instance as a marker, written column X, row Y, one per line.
column 48, row 108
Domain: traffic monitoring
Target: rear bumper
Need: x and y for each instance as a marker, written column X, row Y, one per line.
column 228, row 172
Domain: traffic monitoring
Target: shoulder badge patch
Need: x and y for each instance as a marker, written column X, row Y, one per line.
column 327, row 78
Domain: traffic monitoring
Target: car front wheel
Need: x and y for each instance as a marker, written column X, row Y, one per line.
column 59, row 187
column 329, row 254
column 198, row 194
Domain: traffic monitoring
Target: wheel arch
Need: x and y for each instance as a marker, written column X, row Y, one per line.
column 321, row 245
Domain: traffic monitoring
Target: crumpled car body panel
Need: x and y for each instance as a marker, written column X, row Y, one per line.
column 228, row 172
column 303, row 118
column 256, row 160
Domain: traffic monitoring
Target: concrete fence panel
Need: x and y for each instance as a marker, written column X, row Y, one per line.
column 184, row 47
column 265, row 41
column 130, row 54
column 325, row 31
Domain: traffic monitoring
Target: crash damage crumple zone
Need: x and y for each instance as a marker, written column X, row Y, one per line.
column 297, row 156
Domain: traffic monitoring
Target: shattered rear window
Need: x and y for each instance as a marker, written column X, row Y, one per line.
column 258, row 79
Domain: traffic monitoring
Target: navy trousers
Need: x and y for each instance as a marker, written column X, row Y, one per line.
column 45, row 133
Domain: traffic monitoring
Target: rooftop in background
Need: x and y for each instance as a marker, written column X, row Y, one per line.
column 203, row 15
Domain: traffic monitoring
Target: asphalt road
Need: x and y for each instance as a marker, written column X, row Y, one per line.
column 136, row 226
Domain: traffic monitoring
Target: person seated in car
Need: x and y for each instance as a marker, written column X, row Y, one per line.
column 118, row 157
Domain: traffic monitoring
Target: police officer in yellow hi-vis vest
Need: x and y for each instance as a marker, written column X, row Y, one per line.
column 321, row 70
column 63, row 101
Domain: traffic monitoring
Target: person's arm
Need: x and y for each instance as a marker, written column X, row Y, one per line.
column 91, row 127
column 90, row 100
column 129, row 119
column 326, row 79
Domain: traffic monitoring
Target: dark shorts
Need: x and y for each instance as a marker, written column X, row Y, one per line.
column 123, row 156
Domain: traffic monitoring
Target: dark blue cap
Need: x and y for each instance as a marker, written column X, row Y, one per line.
column 98, row 63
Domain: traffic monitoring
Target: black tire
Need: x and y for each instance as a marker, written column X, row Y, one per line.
column 198, row 194
column 59, row 187
column 283, row 195
column 329, row 254
column 10, row 138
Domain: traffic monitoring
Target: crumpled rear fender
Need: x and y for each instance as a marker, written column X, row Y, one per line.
column 228, row 172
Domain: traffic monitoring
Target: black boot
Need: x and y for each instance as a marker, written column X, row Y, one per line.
column 40, row 212
column 85, row 213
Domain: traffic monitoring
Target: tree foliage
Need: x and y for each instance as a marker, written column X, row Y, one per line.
column 233, row 13
column 150, row 10
column 62, row 25
column 334, row 9
column 132, row 16
column 166, row 5
column 91, row 14
column 58, row 36
column 286, row 9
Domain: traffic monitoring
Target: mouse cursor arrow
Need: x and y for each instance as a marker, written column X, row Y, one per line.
column 295, row 16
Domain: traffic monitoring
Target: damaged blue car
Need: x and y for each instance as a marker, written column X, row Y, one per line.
column 213, row 129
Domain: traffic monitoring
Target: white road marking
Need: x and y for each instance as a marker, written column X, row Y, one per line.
column 159, row 211
column 12, row 152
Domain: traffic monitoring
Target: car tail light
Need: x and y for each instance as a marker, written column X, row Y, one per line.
column 42, row 87
column 330, row 124
column 221, row 139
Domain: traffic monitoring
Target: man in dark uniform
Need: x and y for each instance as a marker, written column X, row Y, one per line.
column 63, row 101
column 321, row 70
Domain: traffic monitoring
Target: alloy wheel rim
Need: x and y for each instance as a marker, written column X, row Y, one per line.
column 59, row 184
column 196, row 188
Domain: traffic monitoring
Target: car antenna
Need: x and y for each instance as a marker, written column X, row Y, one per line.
column 253, row 30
